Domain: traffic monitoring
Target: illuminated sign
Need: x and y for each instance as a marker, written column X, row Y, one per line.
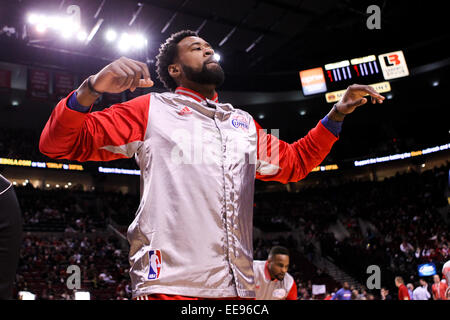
column 313, row 81
column 137, row 172
column 363, row 59
column 393, row 65
column 36, row 164
column 337, row 65
column 119, row 171
column 364, row 70
column 426, row 269
column 405, row 155
column 325, row 168
column 337, row 95
column 357, row 70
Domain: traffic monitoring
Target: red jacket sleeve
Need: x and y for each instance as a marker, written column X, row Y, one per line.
column 113, row 133
column 284, row 162
column 292, row 295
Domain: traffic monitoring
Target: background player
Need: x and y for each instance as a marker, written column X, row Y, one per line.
column 343, row 293
column 10, row 237
column 446, row 276
column 273, row 282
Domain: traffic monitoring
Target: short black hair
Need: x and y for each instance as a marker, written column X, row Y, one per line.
column 167, row 53
column 278, row 250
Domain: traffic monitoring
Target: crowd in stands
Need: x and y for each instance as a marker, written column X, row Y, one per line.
column 406, row 227
column 68, row 227
column 44, row 262
column 397, row 223
column 19, row 144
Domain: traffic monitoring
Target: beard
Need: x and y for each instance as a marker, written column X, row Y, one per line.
column 279, row 277
column 214, row 75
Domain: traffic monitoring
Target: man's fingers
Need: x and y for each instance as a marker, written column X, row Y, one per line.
column 360, row 102
column 144, row 69
column 143, row 83
column 139, row 67
column 136, row 72
column 136, row 81
column 368, row 90
column 128, row 80
column 141, row 70
column 118, row 72
column 374, row 94
column 126, row 85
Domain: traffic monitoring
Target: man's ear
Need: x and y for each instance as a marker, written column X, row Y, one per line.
column 174, row 70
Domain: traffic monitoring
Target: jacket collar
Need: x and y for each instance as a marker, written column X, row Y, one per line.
column 267, row 273
column 195, row 95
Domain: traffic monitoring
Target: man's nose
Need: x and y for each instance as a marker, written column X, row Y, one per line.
column 208, row 52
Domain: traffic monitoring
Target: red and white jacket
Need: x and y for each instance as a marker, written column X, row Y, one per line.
column 192, row 233
column 268, row 289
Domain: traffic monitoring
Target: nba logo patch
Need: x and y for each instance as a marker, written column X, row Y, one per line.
column 155, row 264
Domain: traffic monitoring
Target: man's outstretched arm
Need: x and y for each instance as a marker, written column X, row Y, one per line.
column 284, row 162
column 75, row 134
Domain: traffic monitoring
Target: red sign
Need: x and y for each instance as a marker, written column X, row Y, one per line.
column 38, row 83
column 5, row 78
column 62, row 84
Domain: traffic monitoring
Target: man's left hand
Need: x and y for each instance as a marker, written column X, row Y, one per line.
column 354, row 97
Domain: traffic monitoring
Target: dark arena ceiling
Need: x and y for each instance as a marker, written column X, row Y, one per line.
column 263, row 44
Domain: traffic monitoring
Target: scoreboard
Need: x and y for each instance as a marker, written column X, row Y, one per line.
column 360, row 69
column 334, row 78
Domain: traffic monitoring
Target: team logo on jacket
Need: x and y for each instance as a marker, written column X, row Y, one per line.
column 279, row 293
column 155, row 264
column 240, row 122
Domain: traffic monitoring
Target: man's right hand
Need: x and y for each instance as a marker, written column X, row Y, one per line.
column 116, row 77
column 120, row 75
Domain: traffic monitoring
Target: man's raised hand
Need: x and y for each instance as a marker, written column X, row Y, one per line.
column 354, row 97
column 120, row 75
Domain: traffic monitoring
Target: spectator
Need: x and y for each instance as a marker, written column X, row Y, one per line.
column 421, row 292
column 328, row 296
column 438, row 288
column 402, row 290
column 410, row 288
column 406, row 247
column 384, row 292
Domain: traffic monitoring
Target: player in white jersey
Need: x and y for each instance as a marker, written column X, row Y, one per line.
column 273, row 282
column 446, row 275
column 191, row 237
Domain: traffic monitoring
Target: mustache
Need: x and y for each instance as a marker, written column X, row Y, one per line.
column 211, row 60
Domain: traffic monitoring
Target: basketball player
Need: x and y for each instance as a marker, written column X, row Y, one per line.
column 10, row 237
column 446, row 276
column 198, row 159
column 273, row 282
